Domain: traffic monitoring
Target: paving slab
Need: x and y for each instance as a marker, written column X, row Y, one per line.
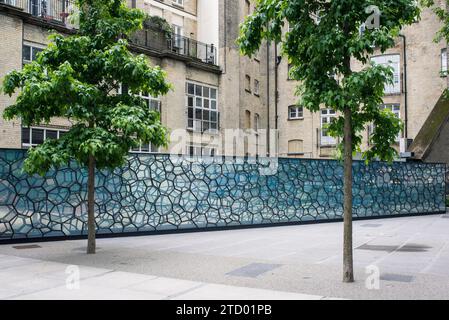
column 309, row 257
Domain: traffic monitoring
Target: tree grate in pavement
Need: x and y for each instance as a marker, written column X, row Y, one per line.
column 396, row 277
column 253, row 270
column 30, row 246
column 391, row 248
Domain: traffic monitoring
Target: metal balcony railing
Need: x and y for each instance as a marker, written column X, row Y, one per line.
column 160, row 40
column 51, row 10
column 151, row 38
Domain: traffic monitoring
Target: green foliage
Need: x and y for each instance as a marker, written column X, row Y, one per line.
column 443, row 33
column 78, row 77
column 320, row 53
column 158, row 23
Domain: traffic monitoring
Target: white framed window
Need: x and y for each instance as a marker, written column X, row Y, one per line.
column 202, row 108
column 41, row 8
column 327, row 117
column 295, row 112
column 391, row 60
column 29, row 53
column 396, row 109
column 179, row 3
column 178, row 34
column 155, row 105
column 34, row 136
column 444, row 62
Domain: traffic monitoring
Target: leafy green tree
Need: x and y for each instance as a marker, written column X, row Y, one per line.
column 322, row 38
column 78, row 77
column 443, row 15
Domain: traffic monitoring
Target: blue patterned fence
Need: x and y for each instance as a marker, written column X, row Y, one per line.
column 159, row 192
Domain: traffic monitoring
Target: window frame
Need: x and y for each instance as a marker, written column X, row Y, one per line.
column 30, row 143
column 248, row 83
column 199, row 150
column 444, row 65
column 256, row 87
column 201, row 104
column 396, row 88
column 299, row 112
column 178, row 3
column 148, row 99
column 39, row 48
column 330, row 115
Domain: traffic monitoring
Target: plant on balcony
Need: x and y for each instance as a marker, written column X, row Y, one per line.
column 322, row 38
column 77, row 77
column 159, row 23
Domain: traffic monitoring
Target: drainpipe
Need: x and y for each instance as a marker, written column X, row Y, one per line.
column 404, row 39
column 276, row 76
column 268, row 98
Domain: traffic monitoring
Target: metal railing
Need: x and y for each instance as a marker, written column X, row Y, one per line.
column 160, row 40
column 151, row 38
column 50, row 10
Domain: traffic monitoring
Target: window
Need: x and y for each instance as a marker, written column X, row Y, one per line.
column 289, row 72
column 29, row 53
column 155, row 105
column 178, row 33
column 41, row 7
column 34, row 136
column 10, row 2
column 178, row 2
column 256, row 122
column 295, row 147
column 197, row 150
column 247, row 119
column 394, row 62
column 396, row 109
column 444, row 62
column 202, row 108
column 256, row 87
column 248, row 83
column 327, row 117
column 295, row 112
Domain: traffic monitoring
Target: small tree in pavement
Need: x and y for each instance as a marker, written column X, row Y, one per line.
column 322, row 38
column 77, row 77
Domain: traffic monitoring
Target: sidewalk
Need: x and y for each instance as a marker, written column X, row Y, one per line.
column 24, row 278
column 407, row 257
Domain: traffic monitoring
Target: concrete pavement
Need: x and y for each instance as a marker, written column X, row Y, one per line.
column 401, row 258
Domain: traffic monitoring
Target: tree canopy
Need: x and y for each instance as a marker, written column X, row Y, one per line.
column 78, row 77
column 322, row 39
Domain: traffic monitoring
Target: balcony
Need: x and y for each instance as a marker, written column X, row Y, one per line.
column 169, row 42
column 50, row 10
column 151, row 38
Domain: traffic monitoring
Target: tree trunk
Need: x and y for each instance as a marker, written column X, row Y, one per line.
column 91, row 226
column 348, row 272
